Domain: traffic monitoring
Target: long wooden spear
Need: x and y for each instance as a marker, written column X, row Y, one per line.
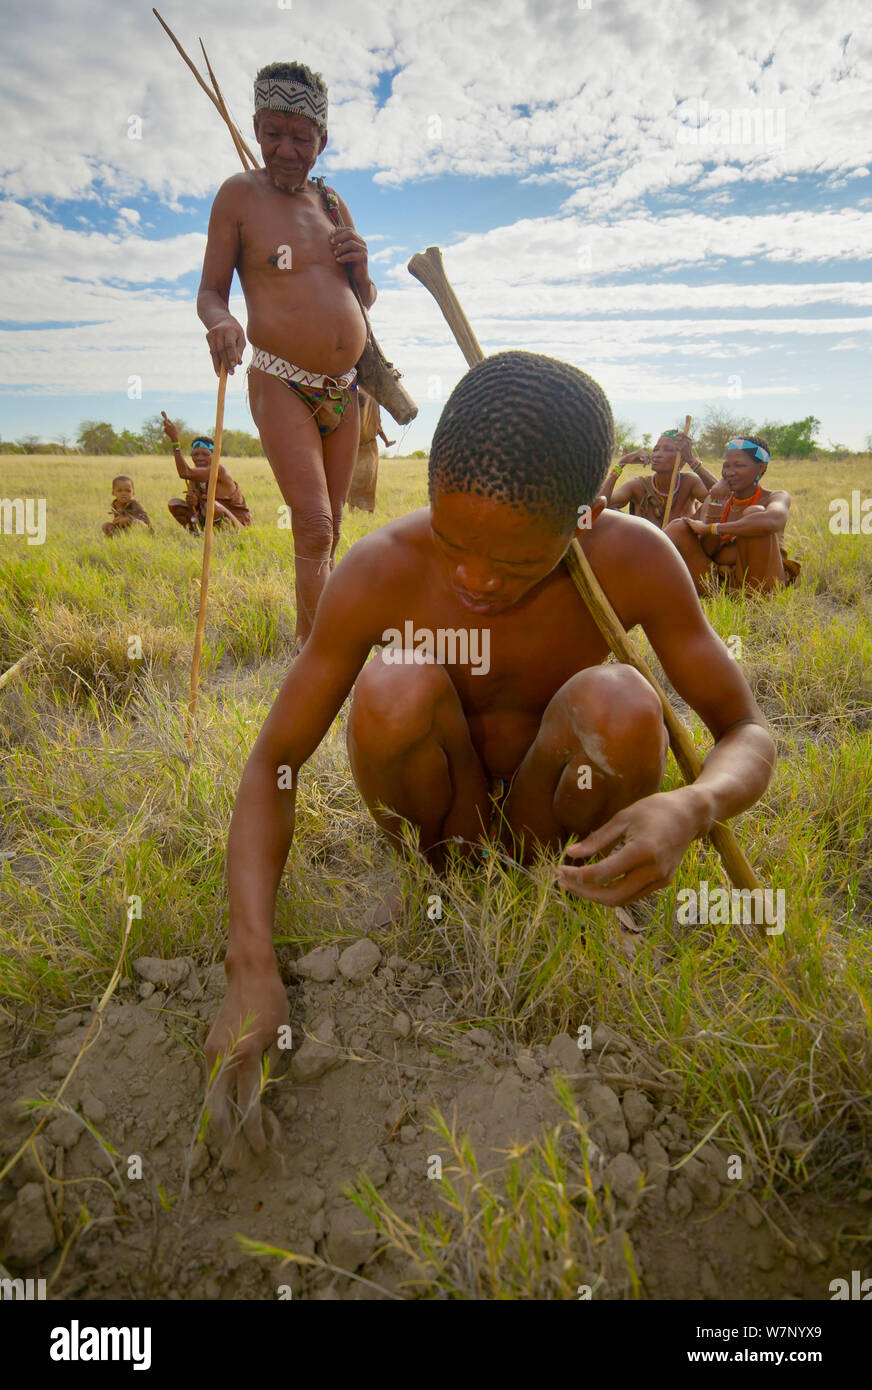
column 428, row 268
column 207, row 557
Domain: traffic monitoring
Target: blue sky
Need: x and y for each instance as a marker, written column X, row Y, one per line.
column 693, row 230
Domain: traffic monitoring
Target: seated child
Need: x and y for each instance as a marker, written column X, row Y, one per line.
column 125, row 510
column 738, row 536
column 230, row 505
column 647, row 495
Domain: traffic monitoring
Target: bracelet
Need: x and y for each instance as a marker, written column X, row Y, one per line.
column 713, row 529
column 618, row 469
column 695, row 467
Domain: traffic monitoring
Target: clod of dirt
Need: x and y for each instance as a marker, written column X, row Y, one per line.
column 605, row 1110
column 319, row 965
column 565, row 1054
column 163, row 974
column 679, row 1198
column 638, row 1113
column 624, row 1177
column 318, row 1053
column 703, row 1186
column 31, row 1234
column 606, row 1037
column 657, row 1163
column 528, row 1066
column 359, row 959
column 401, row 1025
column 93, row 1109
column 64, row 1130
column 350, row 1240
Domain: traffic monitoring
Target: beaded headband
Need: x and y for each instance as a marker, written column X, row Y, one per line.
column 750, row 447
column 204, row 443
column 283, row 94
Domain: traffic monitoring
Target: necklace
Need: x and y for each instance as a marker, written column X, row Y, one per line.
column 657, row 490
column 733, row 501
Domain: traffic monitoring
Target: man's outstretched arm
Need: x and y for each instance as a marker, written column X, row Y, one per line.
column 260, row 837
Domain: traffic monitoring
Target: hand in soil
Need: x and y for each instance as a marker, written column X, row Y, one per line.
column 247, row 1025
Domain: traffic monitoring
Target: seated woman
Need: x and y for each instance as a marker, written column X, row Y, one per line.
column 647, row 495
column 231, row 508
column 738, row 537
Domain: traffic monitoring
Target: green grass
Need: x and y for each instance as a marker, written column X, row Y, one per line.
column 772, row 1038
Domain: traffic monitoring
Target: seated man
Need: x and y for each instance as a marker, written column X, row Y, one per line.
column 493, row 676
column 646, row 496
column 738, row 537
column 230, row 505
column 125, row 511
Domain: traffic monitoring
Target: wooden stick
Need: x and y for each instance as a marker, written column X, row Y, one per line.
column 429, row 270
column 12, row 671
column 217, row 101
column 207, row 556
column 675, row 467
column 248, row 159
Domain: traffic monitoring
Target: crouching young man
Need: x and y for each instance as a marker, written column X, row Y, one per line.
column 501, row 681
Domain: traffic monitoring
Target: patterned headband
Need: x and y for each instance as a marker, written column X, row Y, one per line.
column 750, row 448
column 204, row 443
column 283, row 94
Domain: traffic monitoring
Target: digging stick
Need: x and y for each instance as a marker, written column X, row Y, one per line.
column 428, row 268
column 207, row 556
column 217, row 100
column 675, row 467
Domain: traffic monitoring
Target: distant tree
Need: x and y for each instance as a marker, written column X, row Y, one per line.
column 97, row 437
column 419, row 454
column 795, row 440
column 625, row 435
column 29, row 443
column 240, row 444
column 868, row 443
column 719, row 426
column 128, row 443
column 154, row 441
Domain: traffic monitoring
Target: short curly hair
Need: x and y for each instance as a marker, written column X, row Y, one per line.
column 526, row 430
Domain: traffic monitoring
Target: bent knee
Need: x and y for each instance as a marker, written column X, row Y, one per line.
column 313, row 534
column 611, row 701
column 394, row 704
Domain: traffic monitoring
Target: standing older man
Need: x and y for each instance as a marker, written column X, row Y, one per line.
column 305, row 325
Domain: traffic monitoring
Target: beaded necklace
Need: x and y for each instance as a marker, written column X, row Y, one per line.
column 734, row 501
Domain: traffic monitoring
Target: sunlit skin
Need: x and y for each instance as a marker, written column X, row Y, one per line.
column 755, row 558
column 425, row 742
column 690, row 488
column 186, row 509
column 122, row 494
column 306, row 314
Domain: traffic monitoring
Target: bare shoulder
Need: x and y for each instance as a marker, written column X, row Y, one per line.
column 634, row 562
column 384, row 555
column 237, row 187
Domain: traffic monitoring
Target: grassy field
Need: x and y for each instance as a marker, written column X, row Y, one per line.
column 772, row 1041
